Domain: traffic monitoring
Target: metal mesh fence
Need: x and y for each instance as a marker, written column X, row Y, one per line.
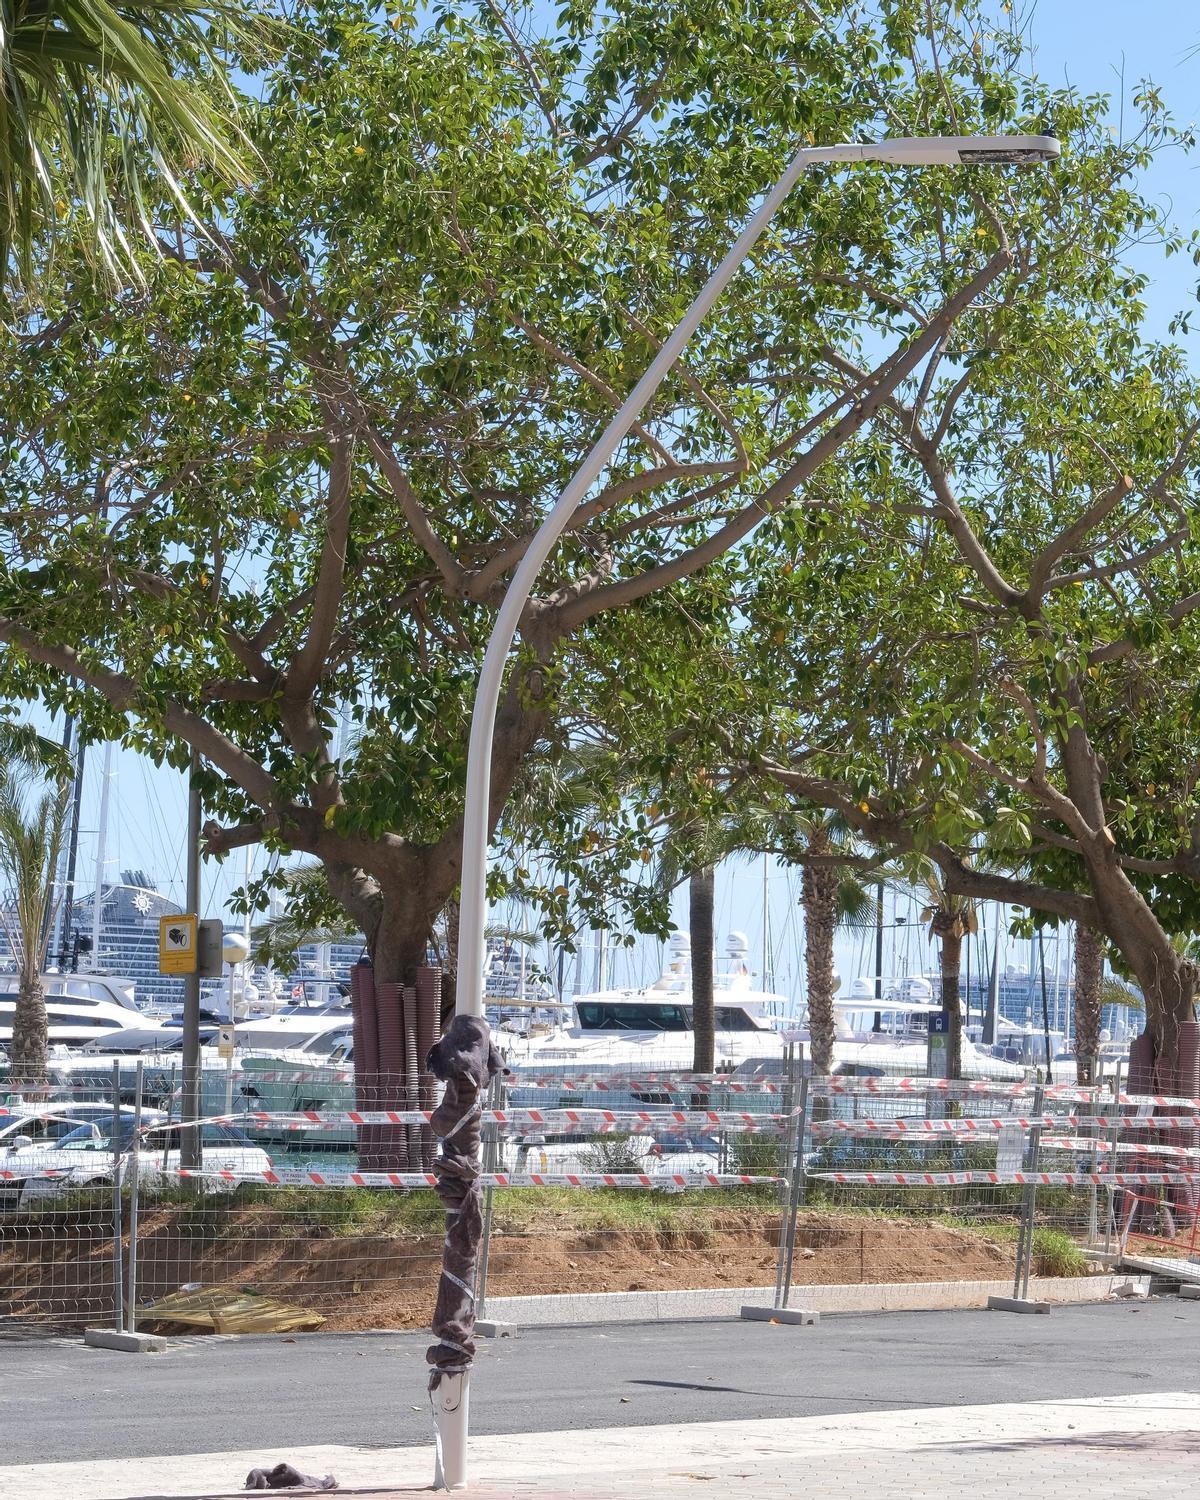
column 596, row 1182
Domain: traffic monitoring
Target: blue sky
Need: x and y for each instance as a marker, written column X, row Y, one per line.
column 1094, row 45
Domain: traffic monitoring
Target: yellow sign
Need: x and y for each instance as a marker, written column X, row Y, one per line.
column 177, row 945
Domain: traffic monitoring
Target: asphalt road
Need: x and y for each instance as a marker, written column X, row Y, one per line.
column 59, row 1400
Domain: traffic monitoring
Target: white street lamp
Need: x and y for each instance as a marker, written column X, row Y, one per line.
column 913, row 151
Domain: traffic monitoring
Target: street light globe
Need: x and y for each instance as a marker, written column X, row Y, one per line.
column 235, row 949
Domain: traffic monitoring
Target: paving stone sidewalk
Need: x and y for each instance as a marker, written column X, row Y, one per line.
column 1144, row 1447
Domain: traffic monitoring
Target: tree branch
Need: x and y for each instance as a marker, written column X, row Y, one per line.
column 310, row 662
column 887, row 378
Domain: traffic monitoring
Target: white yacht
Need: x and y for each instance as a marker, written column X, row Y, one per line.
column 888, row 1034
column 80, row 1008
column 650, row 1029
column 640, row 1032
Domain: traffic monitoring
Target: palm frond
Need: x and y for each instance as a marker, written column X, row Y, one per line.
column 1115, row 991
column 31, row 842
column 94, row 99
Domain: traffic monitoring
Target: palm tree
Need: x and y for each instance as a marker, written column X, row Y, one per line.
column 833, row 896
column 1089, row 974
column 950, row 919
column 99, row 97
column 31, row 840
column 701, row 901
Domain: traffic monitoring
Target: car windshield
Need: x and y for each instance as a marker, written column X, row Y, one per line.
column 97, row 1137
column 85, row 1138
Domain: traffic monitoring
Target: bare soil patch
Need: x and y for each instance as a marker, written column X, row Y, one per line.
column 361, row 1274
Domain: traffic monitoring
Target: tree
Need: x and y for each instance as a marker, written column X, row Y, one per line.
column 292, row 475
column 97, row 98
column 701, row 885
column 950, row 917
column 1089, row 974
column 832, row 895
column 1016, row 598
column 31, row 840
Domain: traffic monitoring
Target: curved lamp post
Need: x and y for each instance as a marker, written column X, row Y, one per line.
column 903, row 151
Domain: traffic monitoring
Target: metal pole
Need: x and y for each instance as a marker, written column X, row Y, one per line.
column 877, row 1025
column 1045, row 1005
column 134, row 1179
column 68, row 901
column 118, row 1228
column 797, row 1180
column 789, row 1100
column 1111, row 1166
column 101, row 840
column 1029, row 1201
column 477, row 813
column 190, row 1104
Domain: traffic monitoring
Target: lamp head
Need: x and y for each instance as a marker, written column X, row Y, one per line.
column 235, row 949
column 963, row 150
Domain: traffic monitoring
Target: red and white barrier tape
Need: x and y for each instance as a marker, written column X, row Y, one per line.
column 972, row 1125
column 297, row 1177
column 965, row 1088
column 603, row 1082
column 1001, row 1179
column 594, row 1121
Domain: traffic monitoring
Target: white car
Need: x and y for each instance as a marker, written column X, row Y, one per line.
column 84, row 1158
column 42, row 1125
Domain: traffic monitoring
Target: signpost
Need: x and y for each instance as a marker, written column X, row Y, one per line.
column 177, row 945
column 938, row 1056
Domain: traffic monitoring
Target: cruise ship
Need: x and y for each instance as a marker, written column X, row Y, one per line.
column 128, row 951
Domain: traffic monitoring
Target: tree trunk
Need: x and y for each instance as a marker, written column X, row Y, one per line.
column 1089, row 968
column 1168, row 980
column 700, row 917
column 949, row 934
column 29, row 1034
column 819, row 897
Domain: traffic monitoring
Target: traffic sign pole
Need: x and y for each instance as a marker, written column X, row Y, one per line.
column 190, row 1139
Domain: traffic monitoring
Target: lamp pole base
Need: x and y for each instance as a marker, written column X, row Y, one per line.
column 451, row 1408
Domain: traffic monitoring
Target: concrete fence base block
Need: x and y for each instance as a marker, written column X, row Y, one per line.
column 131, row 1343
column 487, row 1328
column 800, row 1316
column 1017, row 1305
column 1190, row 1293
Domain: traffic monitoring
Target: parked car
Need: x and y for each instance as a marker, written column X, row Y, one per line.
column 25, row 1125
column 84, row 1157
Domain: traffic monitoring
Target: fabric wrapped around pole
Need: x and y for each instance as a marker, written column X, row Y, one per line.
column 429, row 1014
column 392, row 1139
column 466, row 1060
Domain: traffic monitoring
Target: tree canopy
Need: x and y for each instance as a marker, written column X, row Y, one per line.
column 280, row 485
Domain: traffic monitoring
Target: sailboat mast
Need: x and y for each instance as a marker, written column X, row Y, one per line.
column 67, row 955
column 878, row 1026
column 56, row 874
column 101, row 852
column 993, row 999
column 767, row 976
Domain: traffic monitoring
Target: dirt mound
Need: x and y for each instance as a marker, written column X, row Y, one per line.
column 385, row 1278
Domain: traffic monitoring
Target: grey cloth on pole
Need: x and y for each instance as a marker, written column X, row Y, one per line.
column 466, row 1060
column 284, row 1477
